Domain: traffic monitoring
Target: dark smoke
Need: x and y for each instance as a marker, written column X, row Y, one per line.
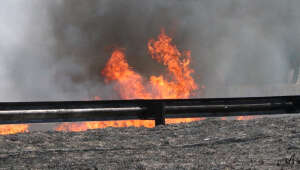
column 56, row 50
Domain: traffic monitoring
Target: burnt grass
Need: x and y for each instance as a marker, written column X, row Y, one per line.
column 265, row 143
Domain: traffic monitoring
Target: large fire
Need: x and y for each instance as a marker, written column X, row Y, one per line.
column 177, row 83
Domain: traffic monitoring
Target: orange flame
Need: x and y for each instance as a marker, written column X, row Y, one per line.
column 177, row 84
column 130, row 84
column 13, row 129
column 182, row 83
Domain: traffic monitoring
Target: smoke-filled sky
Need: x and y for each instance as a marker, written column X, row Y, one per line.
column 55, row 50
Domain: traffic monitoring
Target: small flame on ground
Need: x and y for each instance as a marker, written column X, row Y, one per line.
column 246, row 117
column 83, row 126
column 183, row 120
column 242, row 117
column 13, row 129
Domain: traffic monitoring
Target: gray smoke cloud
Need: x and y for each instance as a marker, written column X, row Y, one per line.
column 56, row 50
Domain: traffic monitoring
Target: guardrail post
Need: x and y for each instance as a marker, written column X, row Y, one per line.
column 159, row 110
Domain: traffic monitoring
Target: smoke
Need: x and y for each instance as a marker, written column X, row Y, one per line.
column 56, row 50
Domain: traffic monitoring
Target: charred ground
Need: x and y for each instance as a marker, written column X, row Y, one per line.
column 266, row 143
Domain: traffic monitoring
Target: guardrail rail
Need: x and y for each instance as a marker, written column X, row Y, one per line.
column 158, row 110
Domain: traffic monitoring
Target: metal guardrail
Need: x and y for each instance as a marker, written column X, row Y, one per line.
column 158, row 110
